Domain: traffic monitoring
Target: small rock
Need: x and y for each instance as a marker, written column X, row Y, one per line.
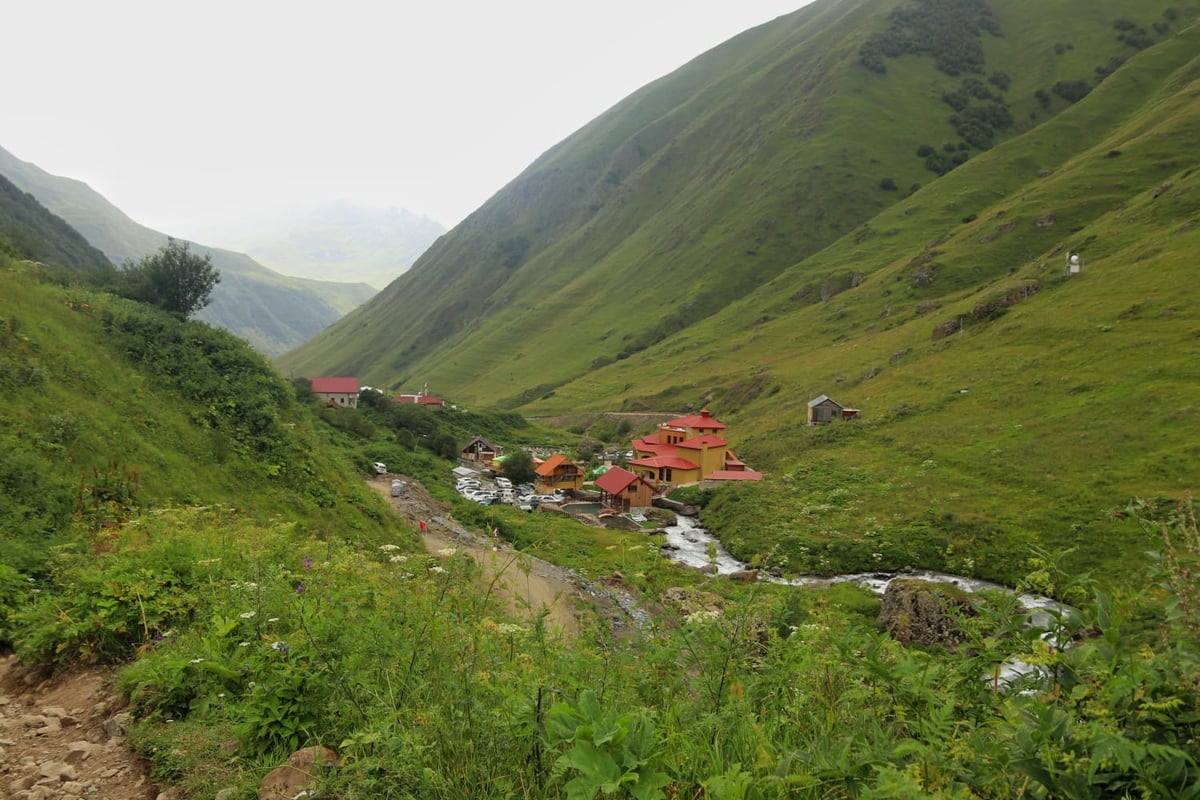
column 58, row 770
column 117, row 726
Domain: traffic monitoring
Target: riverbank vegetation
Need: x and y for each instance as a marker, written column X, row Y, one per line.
column 254, row 639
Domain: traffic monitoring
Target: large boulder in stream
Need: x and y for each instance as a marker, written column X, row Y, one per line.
column 926, row 613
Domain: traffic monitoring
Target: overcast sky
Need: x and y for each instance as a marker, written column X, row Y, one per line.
column 188, row 114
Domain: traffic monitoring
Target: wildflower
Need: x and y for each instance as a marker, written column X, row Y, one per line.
column 308, row 562
column 279, row 646
column 387, row 548
column 447, row 552
column 243, row 644
column 398, row 559
column 508, row 628
column 195, row 660
column 436, row 569
column 247, row 614
column 300, row 588
column 221, row 695
column 273, row 619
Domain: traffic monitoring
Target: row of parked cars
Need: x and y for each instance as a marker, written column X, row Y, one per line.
column 501, row 490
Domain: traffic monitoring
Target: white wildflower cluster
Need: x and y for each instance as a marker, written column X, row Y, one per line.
column 247, row 585
column 509, row 629
column 247, row 614
column 388, row 548
column 702, row 616
column 398, row 559
column 447, row 552
column 436, row 569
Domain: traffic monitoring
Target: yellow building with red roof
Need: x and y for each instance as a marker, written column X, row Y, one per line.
column 688, row 450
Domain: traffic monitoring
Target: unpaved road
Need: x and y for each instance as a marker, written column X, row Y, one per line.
column 529, row 585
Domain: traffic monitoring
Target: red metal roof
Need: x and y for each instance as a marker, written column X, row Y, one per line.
column 698, row 442
column 646, row 446
column 616, row 480
column 670, row 462
column 701, row 420
column 335, row 385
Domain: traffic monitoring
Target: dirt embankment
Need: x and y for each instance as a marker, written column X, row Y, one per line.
column 529, row 585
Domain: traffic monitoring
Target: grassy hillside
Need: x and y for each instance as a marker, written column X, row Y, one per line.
column 33, row 233
column 176, row 512
column 271, row 311
column 723, row 238
column 700, row 188
column 114, row 410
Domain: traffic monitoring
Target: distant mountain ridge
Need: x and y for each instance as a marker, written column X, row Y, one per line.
column 272, row 312
column 336, row 241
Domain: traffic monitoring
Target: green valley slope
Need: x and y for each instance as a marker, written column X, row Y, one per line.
column 695, row 191
column 749, row 259
column 272, row 312
column 116, row 409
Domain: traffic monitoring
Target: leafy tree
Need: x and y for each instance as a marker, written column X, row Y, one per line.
column 173, row 279
column 518, row 467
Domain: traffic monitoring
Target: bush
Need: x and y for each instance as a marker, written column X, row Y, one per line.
column 1072, row 91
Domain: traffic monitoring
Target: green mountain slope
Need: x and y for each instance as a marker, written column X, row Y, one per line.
column 271, row 311
column 114, row 410
column 38, row 235
column 752, row 259
column 696, row 190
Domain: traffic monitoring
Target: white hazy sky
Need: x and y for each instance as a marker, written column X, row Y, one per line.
column 192, row 114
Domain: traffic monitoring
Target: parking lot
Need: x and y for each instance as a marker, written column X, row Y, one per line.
column 499, row 490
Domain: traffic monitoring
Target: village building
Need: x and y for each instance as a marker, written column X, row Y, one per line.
column 824, row 409
column 624, row 490
column 688, row 450
column 481, row 450
column 427, row 400
column 558, row 472
column 340, row 392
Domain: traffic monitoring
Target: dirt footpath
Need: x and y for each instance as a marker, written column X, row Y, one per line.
column 64, row 738
column 529, row 585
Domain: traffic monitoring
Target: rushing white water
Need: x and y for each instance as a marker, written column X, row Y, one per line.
column 693, row 546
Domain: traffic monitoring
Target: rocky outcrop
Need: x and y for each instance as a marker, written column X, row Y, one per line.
column 302, row 771
column 925, row 613
column 63, row 738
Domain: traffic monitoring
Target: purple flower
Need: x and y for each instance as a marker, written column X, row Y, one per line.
column 300, row 588
column 308, row 562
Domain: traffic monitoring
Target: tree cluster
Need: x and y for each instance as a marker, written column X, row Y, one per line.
column 174, row 279
column 949, row 31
